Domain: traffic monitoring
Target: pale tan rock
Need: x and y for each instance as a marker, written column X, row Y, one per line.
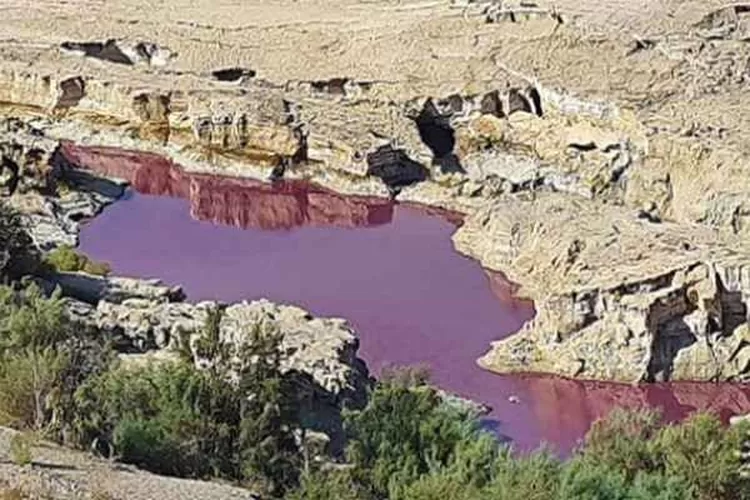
column 616, row 297
column 626, row 131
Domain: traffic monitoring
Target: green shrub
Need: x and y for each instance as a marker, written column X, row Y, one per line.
column 43, row 359
column 20, row 448
column 532, row 477
column 167, row 417
column 32, row 329
column 329, row 485
column 660, row 487
column 18, row 255
column 150, row 444
column 623, row 441
column 28, row 381
column 701, row 451
column 404, row 433
column 440, row 486
column 66, row 259
column 698, row 453
column 583, row 481
column 175, row 419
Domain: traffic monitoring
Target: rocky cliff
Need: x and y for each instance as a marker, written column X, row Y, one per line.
column 617, row 297
column 148, row 322
column 145, row 315
column 598, row 151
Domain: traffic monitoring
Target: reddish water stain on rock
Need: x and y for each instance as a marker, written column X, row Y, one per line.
column 397, row 278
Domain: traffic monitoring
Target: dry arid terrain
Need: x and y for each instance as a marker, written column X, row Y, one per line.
column 598, row 151
column 56, row 473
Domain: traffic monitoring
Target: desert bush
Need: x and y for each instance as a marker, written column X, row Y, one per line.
column 582, row 480
column 406, row 445
column 43, row 359
column 624, row 441
column 169, row 418
column 66, row 259
column 31, row 329
column 21, row 448
column 702, row 452
column 18, row 255
column 234, row 420
column 405, row 433
column 531, row 477
column 698, row 453
column 28, row 381
column 329, row 485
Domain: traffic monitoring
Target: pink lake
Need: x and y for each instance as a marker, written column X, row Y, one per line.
column 391, row 270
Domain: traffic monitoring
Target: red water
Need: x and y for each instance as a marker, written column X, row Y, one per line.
column 389, row 269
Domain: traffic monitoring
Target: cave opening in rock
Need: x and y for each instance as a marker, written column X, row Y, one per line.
column 72, row 91
column 436, row 133
column 9, row 177
column 233, row 74
column 394, row 167
column 107, row 51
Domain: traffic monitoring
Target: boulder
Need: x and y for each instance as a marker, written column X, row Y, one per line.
column 114, row 289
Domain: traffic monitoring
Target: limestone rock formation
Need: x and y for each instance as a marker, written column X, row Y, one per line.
column 25, row 158
column 32, row 170
column 144, row 315
column 600, row 153
column 238, row 202
column 92, row 289
column 617, row 297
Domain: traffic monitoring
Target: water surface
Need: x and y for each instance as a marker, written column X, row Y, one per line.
column 391, row 270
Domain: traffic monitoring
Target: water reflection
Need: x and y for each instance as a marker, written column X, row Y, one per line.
column 409, row 295
column 243, row 203
column 565, row 409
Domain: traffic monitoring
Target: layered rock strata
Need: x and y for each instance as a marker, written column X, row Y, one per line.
column 239, row 202
column 617, row 297
column 599, row 152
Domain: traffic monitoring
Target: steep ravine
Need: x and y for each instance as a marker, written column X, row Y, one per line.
column 520, row 403
column 586, row 184
column 354, row 275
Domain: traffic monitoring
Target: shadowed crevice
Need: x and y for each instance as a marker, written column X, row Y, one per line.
column 233, row 74
column 395, row 168
column 107, row 51
column 436, row 133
